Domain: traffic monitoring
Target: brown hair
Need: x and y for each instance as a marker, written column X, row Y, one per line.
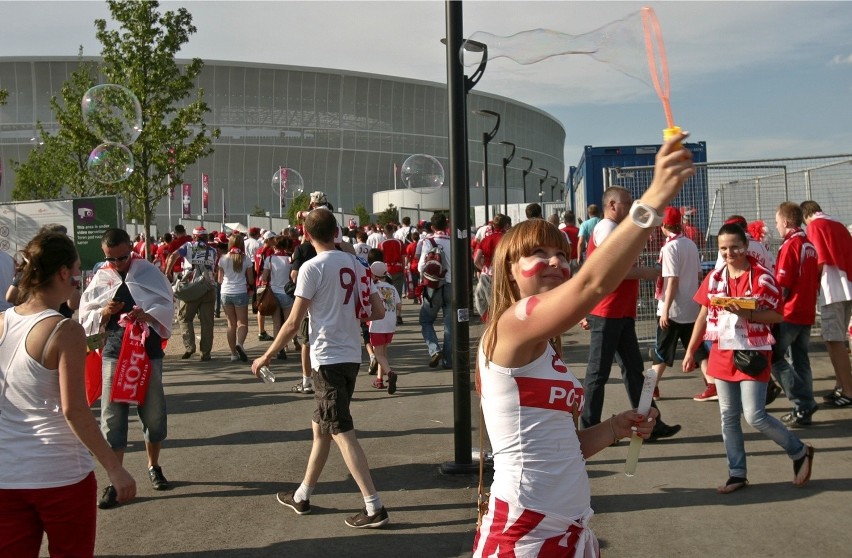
column 43, row 257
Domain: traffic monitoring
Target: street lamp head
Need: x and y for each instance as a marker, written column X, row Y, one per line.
column 529, row 167
column 546, row 173
column 508, row 159
column 488, row 136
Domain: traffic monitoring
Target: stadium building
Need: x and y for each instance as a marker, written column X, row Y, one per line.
column 344, row 132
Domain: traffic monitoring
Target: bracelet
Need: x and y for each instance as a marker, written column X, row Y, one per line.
column 615, row 438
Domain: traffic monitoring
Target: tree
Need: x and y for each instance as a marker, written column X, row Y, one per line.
column 258, row 211
column 389, row 215
column 141, row 57
column 58, row 166
column 362, row 213
column 299, row 203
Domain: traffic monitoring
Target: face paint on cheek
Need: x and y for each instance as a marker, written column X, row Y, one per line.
column 531, row 265
column 525, row 307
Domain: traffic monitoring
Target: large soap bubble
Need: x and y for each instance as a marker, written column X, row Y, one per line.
column 293, row 184
column 422, row 172
column 112, row 113
column 110, row 162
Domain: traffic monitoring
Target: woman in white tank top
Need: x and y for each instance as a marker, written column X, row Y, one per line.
column 46, row 427
column 540, row 499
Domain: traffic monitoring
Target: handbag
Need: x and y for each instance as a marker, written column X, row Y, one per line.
column 267, row 303
column 191, row 286
column 750, row 361
column 133, row 368
column 290, row 289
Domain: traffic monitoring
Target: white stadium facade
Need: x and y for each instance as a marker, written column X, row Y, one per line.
column 343, row 131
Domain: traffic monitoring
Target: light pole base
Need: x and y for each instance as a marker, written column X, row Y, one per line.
column 453, row 468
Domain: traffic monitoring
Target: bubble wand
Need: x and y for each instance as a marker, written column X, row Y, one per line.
column 654, row 47
column 643, row 409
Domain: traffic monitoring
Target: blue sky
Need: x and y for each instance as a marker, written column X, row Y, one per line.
column 753, row 79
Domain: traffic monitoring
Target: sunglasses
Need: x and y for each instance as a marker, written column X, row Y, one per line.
column 118, row 259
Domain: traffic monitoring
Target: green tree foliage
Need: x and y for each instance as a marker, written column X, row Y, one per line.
column 389, row 215
column 362, row 213
column 57, row 167
column 299, row 203
column 3, row 95
column 140, row 55
column 258, row 211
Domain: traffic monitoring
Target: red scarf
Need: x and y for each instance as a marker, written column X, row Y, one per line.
column 761, row 285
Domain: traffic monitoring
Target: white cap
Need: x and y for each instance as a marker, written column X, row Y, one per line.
column 379, row 269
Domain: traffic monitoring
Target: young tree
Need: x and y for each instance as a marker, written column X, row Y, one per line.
column 362, row 213
column 299, row 203
column 140, row 55
column 389, row 215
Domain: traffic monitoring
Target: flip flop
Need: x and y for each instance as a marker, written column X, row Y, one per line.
column 732, row 485
column 797, row 466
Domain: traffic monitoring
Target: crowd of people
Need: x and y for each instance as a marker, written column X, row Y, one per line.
column 336, row 289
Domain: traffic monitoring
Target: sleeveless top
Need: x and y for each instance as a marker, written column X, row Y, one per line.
column 39, row 450
column 528, row 411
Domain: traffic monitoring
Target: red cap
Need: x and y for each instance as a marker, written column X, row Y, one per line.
column 254, row 230
column 671, row 217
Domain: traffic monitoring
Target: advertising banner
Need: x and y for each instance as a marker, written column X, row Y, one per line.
column 187, row 199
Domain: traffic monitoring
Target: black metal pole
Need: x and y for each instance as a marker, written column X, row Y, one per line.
column 459, row 227
column 485, row 140
column 505, row 188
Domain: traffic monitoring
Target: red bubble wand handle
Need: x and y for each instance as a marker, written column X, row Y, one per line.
column 655, row 48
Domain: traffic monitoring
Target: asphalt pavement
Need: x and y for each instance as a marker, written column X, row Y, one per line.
column 235, row 441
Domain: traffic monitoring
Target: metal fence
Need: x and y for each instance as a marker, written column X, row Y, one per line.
column 753, row 189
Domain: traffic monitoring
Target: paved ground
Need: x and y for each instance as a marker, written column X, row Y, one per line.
column 234, row 441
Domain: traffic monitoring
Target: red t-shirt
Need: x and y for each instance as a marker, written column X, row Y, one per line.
column 174, row 246
column 798, row 271
column 573, row 233
column 488, row 246
column 411, row 253
column 620, row 303
column 392, row 250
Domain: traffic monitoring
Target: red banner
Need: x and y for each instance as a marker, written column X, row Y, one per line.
column 130, row 382
column 205, row 193
column 282, row 178
column 187, row 199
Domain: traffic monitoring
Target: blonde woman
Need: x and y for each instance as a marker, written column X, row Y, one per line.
column 236, row 273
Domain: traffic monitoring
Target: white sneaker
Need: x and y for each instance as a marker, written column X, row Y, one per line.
column 235, row 358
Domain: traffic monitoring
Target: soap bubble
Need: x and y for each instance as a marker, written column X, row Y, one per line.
column 110, row 162
column 112, row 113
column 422, row 172
column 294, row 184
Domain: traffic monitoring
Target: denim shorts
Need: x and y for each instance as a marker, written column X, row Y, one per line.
column 241, row 299
column 284, row 300
column 152, row 414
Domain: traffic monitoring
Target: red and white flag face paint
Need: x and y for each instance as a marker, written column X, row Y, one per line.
column 533, row 265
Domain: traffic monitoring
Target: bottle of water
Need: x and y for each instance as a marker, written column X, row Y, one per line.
column 266, row 375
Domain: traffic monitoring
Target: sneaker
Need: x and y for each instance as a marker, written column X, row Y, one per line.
column 378, row 384
column 391, row 382
column 282, row 355
column 264, row 336
column 435, row 360
column 374, row 367
column 289, row 499
column 663, row 430
column 773, row 390
column 187, row 354
column 242, row 354
column 799, row 418
column 206, row 357
column 363, row 521
column 108, row 499
column 300, row 388
column 709, row 394
column 158, row 481
column 235, row 357
column 656, row 393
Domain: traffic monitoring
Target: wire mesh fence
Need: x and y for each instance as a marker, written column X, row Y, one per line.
column 752, row 189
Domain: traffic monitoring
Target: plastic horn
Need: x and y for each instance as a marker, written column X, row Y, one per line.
column 643, row 409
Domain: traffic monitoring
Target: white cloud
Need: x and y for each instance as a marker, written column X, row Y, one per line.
column 841, row 59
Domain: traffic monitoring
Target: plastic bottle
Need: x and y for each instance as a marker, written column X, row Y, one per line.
column 266, row 375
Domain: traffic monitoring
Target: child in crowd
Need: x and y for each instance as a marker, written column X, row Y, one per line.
column 381, row 331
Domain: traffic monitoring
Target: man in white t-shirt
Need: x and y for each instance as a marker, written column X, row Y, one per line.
column 437, row 299
column 676, row 310
column 252, row 243
column 332, row 287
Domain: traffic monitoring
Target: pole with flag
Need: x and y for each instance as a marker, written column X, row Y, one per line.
column 205, row 194
column 187, row 199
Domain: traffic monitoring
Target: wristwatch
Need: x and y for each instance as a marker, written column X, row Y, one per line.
column 645, row 216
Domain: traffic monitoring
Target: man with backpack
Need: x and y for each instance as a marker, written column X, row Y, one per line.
column 434, row 268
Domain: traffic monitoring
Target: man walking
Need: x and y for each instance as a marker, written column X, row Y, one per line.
column 199, row 258
column 833, row 244
column 797, row 276
column 613, row 325
column 331, row 288
column 128, row 285
column 438, row 298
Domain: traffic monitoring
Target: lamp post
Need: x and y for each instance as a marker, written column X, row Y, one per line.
column 555, row 182
column 541, row 183
column 524, row 174
column 506, row 161
column 486, row 139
